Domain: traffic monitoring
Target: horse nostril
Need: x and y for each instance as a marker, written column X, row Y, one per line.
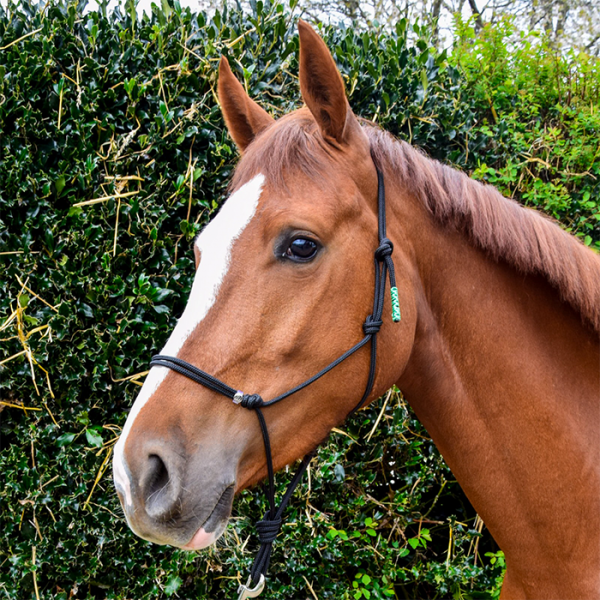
column 161, row 490
column 158, row 474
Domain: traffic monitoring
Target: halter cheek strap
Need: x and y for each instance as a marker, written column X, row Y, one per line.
column 269, row 527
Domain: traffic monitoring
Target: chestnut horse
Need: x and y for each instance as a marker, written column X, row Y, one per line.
column 497, row 350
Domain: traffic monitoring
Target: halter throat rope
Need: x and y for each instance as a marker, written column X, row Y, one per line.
column 269, row 527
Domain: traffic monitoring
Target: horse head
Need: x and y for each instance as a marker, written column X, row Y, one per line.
column 284, row 281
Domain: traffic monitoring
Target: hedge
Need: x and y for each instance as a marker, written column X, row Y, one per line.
column 113, row 154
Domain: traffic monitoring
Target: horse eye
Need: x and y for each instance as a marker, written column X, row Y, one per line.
column 301, row 250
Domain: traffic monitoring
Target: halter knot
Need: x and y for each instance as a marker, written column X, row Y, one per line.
column 268, row 529
column 371, row 326
column 251, row 401
column 385, row 249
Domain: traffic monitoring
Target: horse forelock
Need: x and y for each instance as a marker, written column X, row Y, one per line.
column 292, row 145
column 527, row 240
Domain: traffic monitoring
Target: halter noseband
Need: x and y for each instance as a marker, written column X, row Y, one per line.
column 269, row 527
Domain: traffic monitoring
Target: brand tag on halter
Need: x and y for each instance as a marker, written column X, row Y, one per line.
column 395, row 305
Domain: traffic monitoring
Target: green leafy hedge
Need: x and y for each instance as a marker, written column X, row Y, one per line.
column 113, row 154
column 539, row 111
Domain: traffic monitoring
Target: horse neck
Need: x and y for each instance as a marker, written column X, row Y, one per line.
column 505, row 377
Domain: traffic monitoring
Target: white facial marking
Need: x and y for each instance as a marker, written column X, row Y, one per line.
column 215, row 243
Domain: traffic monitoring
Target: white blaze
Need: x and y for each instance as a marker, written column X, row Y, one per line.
column 215, row 243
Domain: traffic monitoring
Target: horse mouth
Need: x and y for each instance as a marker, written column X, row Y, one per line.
column 215, row 524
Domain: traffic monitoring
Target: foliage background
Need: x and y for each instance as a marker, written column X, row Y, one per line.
column 119, row 113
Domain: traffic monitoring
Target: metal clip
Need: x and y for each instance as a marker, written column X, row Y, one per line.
column 238, row 397
column 245, row 591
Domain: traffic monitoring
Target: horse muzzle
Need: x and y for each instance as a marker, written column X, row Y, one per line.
column 168, row 501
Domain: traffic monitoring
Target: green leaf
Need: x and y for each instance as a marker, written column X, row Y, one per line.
column 166, row 9
column 74, row 211
column 65, row 439
column 173, row 584
column 424, row 80
column 59, row 184
column 129, row 84
column 93, row 437
column 87, row 311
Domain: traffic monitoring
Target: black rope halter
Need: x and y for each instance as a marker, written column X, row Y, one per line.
column 269, row 527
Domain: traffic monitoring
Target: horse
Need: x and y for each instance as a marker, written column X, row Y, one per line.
column 497, row 349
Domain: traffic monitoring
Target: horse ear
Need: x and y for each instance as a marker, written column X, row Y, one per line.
column 244, row 118
column 322, row 86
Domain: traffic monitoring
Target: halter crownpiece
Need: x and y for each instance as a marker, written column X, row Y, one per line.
column 269, row 527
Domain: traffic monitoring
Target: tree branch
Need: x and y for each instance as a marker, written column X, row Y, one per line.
column 477, row 15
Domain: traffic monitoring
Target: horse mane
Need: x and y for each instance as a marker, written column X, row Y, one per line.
column 527, row 240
